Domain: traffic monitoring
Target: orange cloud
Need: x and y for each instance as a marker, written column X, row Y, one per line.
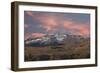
column 84, row 31
column 35, row 35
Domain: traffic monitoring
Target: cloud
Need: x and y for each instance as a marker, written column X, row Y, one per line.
column 78, row 28
column 35, row 35
column 26, row 26
column 26, row 36
column 49, row 23
column 29, row 13
column 52, row 23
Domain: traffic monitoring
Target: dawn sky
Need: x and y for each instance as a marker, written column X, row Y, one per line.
column 37, row 24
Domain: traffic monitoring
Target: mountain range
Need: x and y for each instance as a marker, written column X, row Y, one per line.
column 53, row 40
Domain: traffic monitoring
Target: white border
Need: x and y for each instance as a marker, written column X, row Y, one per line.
column 23, row 64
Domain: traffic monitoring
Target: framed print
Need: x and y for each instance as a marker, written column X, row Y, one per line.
column 52, row 36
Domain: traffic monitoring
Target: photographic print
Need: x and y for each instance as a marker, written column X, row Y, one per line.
column 52, row 36
column 56, row 36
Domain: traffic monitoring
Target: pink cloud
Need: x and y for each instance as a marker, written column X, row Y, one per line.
column 52, row 23
column 26, row 25
column 29, row 13
column 26, row 36
column 35, row 35
column 49, row 23
column 82, row 29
